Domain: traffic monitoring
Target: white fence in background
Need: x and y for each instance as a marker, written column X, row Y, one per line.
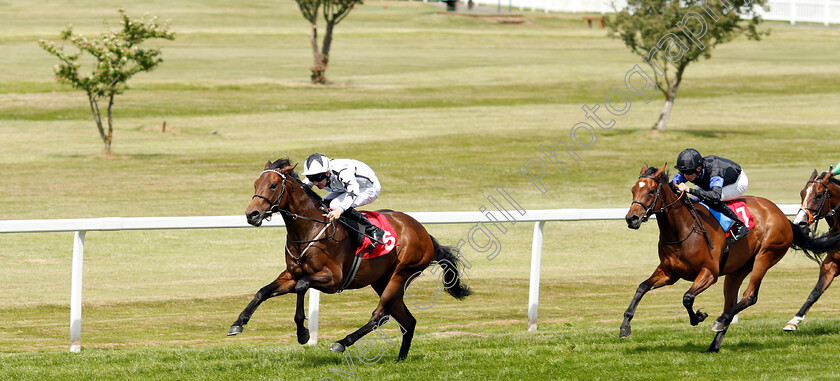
column 816, row 11
column 83, row 225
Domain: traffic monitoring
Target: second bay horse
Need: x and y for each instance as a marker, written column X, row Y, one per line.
column 691, row 247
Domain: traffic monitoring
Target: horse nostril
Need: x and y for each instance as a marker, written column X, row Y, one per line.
column 253, row 215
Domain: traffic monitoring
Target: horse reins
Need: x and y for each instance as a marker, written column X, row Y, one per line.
column 274, row 207
column 649, row 211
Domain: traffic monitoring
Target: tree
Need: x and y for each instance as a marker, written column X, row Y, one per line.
column 671, row 34
column 117, row 58
column 334, row 11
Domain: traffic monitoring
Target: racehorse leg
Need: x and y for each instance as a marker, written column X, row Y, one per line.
column 300, row 315
column 730, row 295
column 828, row 271
column 704, row 280
column 660, row 277
column 407, row 323
column 750, row 297
column 392, row 292
column 282, row 285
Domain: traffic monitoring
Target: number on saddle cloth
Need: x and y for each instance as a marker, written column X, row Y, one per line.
column 739, row 207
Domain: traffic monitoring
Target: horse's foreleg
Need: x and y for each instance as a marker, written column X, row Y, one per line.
column 300, row 316
column 828, row 271
column 660, row 278
column 282, row 285
column 703, row 281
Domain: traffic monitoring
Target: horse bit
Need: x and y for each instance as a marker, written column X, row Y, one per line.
column 275, row 207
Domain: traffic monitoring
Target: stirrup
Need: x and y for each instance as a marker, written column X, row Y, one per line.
column 740, row 232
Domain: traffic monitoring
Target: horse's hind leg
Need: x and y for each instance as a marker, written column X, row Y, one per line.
column 703, row 281
column 762, row 262
column 392, row 291
column 730, row 295
column 282, row 285
column 407, row 323
column 828, row 271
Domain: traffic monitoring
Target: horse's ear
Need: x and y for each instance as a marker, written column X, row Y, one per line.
column 660, row 171
column 813, row 175
column 289, row 168
column 644, row 169
column 268, row 164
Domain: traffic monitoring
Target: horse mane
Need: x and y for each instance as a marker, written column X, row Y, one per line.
column 664, row 178
column 286, row 162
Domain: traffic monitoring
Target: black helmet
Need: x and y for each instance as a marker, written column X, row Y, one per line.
column 688, row 160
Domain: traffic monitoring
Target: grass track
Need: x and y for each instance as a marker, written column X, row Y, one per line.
column 445, row 109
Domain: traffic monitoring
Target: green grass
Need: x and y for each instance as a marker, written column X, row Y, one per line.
column 445, row 109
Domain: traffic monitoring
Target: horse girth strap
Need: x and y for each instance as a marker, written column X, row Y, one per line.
column 354, row 268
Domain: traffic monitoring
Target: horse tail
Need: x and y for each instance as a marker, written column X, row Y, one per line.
column 814, row 248
column 452, row 266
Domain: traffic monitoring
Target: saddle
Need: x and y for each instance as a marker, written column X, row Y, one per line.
column 739, row 206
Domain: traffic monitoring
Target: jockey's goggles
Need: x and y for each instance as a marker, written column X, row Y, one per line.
column 317, row 177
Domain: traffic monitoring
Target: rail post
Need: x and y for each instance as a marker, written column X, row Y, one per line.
column 534, row 289
column 76, row 292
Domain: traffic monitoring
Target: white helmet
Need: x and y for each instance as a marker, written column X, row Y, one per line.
column 315, row 164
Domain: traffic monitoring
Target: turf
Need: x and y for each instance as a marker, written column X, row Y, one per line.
column 445, row 109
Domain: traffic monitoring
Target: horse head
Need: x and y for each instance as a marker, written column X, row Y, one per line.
column 816, row 199
column 272, row 191
column 650, row 193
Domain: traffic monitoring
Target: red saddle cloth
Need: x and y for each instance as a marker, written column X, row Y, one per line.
column 740, row 208
column 390, row 238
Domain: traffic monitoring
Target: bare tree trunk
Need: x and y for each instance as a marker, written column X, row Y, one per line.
column 322, row 59
column 97, row 117
column 110, row 135
column 319, row 66
column 670, row 97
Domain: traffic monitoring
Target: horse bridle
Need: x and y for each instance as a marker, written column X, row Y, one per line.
column 813, row 214
column 274, row 207
column 649, row 209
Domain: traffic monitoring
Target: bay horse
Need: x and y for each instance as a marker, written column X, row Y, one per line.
column 691, row 247
column 319, row 255
column 820, row 200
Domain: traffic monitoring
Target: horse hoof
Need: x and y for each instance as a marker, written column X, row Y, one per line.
column 790, row 327
column 235, row 330
column 718, row 326
column 336, row 347
column 303, row 337
column 624, row 332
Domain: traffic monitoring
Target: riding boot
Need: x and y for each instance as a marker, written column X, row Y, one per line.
column 370, row 229
column 739, row 230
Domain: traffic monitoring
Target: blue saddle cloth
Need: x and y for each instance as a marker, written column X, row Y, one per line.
column 725, row 222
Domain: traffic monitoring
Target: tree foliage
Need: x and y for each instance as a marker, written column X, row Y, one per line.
column 671, row 34
column 334, row 11
column 117, row 57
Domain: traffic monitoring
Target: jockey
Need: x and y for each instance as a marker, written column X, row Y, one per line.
column 717, row 179
column 351, row 183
